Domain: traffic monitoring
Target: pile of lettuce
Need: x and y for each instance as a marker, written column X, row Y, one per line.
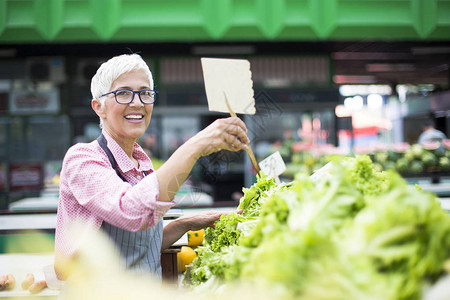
column 349, row 232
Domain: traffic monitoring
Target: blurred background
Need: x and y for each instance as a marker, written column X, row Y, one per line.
column 334, row 77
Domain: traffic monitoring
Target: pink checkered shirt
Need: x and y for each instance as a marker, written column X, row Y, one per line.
column 91, row 192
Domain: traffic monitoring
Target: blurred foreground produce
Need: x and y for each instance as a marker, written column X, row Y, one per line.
column 351, row 233
column 7, row 282
column 28, row 281
column 37, row 286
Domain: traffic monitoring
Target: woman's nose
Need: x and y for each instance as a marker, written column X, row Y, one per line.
column 136, row 100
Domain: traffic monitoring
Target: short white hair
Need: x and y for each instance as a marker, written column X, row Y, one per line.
column 109, row 71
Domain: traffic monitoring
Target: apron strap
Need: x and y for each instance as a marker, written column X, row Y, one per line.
column 104, row 145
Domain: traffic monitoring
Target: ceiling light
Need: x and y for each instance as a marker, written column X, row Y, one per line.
column 351, row 90
column 341, row 111
column 374, row 101
column 354, row 103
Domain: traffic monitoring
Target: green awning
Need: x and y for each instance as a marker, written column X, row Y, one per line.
column 222, row 20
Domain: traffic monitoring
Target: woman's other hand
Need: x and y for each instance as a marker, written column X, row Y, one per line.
column 203, row 220
column 207, row 219
column 176, row 228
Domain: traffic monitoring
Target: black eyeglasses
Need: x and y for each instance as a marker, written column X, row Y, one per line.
column 124, row 96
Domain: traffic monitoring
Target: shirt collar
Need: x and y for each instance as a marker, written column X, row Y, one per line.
column 124, row 163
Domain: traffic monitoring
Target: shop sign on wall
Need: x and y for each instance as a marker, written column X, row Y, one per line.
column 25, row 176
column 34, row 102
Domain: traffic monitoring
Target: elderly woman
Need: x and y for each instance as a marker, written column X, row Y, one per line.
column 110, row 184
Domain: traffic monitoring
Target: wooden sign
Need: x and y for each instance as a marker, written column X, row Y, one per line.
column 230, row 77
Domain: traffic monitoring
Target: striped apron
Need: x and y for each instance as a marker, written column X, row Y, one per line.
column 141, row 250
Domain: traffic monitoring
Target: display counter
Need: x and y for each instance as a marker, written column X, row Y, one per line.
column 27, row 245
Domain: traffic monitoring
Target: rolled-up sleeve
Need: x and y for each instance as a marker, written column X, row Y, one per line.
column 148, row 188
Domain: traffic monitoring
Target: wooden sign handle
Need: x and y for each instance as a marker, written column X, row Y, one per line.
column 249, row 149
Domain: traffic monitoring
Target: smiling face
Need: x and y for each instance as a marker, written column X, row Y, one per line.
column 125, row 122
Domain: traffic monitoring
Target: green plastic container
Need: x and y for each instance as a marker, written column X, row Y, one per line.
column 221, row 20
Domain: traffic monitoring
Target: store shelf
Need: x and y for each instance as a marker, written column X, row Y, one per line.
column 440, row 189
column 35, row 204
column 435, row 182
column 445, row 204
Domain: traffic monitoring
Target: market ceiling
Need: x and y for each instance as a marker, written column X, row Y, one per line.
column 352, row 62
column 368, row 41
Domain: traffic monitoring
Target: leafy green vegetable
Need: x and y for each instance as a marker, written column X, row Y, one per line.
column 225, row 231
column 363, row 175
column 350, row 232
column 273, row 217
column 405, row 231
column 255, row 196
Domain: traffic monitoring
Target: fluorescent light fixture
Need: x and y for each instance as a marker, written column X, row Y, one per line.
column 341, row 111
column 276, row 82
column 374, row 101
column 357, row 89
column 354, row 103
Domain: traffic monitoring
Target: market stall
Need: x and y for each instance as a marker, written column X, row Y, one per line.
column 337, row 89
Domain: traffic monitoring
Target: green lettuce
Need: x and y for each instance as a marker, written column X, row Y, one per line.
column 225, row 232
column 253, row 197
column 350, row 232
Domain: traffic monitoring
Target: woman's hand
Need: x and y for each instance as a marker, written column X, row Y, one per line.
column 223, row 134
column 176, row 228
column 200, row 221
column 207, row 219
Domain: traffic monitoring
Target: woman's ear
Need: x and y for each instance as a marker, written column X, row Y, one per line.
column 98, row 108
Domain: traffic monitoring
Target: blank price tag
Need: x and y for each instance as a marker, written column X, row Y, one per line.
column 230, row 77
column 273, row 165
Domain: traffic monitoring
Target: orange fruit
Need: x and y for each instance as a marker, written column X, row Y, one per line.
column 195, row 238
column 185, row 257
